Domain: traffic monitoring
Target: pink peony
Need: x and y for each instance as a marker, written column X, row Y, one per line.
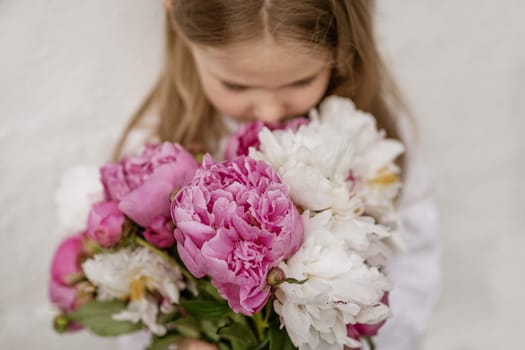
column 66, row 274
column 235, row 221
column 65, row 266
column 114, row 181
column 248, row 136
column 105, row 223
column 160, row 232
column 142, row 184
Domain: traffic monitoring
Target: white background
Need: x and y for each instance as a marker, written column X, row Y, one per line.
column 71, row 73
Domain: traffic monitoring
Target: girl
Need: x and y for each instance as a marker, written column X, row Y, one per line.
column 270, row 60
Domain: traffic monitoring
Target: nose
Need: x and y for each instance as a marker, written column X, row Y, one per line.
column 269, row 110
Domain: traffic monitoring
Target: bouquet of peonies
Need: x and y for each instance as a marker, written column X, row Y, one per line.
column 279, row 246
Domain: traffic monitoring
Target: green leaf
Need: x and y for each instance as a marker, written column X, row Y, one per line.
column 224, row 346
column 209, row 310
column 238, row 344
column 211, row 329
column 164, row 343
column 166, row 318
column 187, row 326
column 240, row 336
column 279, row 339
column 97, row 316
column 206, row 288
column 264, row 345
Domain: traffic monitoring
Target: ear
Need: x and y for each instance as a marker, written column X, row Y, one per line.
column 168, row 5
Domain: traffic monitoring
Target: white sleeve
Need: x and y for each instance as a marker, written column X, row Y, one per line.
column 415, row 274
column 134, row 341
column 139, row 136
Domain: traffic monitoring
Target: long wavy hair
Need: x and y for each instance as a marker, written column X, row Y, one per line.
column 344, row 27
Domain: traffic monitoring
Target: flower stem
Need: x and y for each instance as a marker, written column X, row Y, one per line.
column 166, row 256
column 370, row 342
column 260, row 325
column 268, row 310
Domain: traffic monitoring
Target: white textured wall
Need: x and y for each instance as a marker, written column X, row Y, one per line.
column 462, row 64
column 71, row 72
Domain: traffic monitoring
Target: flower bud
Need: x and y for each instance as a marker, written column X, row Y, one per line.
column 105, row 224
column 61, row 323
column 160, row 232
column 276, row 276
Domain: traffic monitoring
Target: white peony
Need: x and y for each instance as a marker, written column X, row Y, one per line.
column 340, row 289
column 373, row 167
column 79, row 188
column 360, row 234
column 314, row 162
column 129, row 273
column 113, row 273
column 339, row 161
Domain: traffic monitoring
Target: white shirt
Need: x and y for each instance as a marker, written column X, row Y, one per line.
column 416, row 274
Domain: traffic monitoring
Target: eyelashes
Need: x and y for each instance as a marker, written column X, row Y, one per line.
column 304, row 82
column 240, row 88
column 234, row 87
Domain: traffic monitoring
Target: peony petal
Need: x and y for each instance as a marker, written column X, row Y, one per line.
column 221, row 245
column 219, row 270
column 254, row 300
column 148, row 201
column 197, row 232
column 62, row 296
column 176, row 174
column 66, row 260
column 192, row 258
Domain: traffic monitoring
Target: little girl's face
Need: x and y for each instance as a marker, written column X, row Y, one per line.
column 262, row 80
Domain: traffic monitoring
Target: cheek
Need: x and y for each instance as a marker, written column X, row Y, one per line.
column 301, row 101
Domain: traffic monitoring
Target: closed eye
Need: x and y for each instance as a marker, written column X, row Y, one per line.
column 234, row 87
column 239, row 88
column 303, row 82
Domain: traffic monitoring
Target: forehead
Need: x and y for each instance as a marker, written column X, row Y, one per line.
column 262, row 62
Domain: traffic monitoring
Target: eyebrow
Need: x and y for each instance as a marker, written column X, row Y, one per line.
column 299, row 81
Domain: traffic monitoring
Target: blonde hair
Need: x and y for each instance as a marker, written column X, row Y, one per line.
column 344, row 27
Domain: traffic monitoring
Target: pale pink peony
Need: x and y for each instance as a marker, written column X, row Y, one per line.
column 248, row 136
column 105, row 224
column 160, row 232
column 358, row 330
column 142, row 184
column 67, row 299
column 63, row 296
column 235, row 221
column 368, row 330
